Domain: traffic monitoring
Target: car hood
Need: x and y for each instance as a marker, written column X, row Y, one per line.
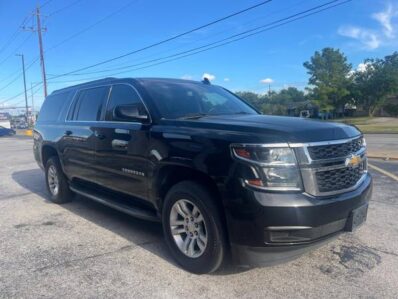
column 280, row 128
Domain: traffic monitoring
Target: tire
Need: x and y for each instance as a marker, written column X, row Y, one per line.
column 58, row 187
column 196, row 259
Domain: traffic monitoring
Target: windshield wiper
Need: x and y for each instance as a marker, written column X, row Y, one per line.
column 242, row 112
column 193, row 116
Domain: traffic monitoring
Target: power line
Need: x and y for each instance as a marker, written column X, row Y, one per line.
column 116, row 66
column 91, row 26
column 15, row 34
column 19, row 94
column 67, row 39
column 249, row 33
column 32, row 94
column 63, row 8
column 225, row 41
column 169, row 39
column 16, row 49
column 19, row 75
column 46, row 3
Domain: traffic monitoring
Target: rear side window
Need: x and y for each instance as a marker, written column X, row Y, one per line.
column 89, row 103
column 122, row 94
column 52, row 107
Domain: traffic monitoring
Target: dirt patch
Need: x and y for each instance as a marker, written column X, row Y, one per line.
column 351, row 261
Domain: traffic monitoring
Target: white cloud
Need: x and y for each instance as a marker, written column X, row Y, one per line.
column 226, row 80
column 187, row 77
column 385, row 19
column 267, row 81
column 210, row 77
column 368, row 39
column 361, row 67
column 374, row 38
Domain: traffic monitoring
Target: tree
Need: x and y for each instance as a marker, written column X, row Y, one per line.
column 374, row 83
column 252, row 98
column 330, row 77
column 288, row 96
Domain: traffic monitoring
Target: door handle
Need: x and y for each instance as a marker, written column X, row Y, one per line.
column 68, row 133
column 119, row 144
column 99, row 135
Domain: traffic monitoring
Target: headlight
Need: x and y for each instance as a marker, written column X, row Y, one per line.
column 274, row 166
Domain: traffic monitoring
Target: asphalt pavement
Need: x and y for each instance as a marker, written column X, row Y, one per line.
column 84, row 250
column 382, row 145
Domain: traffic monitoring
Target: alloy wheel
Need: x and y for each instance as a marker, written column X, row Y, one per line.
column 188, row 228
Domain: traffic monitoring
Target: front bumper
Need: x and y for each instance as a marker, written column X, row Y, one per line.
column 267, row 228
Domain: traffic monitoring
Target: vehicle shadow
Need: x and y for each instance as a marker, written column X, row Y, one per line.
column 145, row 234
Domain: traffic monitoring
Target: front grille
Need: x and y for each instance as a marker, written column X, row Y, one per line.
column 339, row 179
column 335, row 150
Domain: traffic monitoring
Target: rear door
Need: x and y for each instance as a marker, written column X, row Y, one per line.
column 78, row 142
column 121, row 145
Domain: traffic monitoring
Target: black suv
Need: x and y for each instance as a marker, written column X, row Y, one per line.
column 221, row 177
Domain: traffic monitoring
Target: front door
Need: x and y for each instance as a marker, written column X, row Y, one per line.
column 121, row 146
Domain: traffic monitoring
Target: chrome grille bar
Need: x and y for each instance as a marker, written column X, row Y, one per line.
column 331, row 166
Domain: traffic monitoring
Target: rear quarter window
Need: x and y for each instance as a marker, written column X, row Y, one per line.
column 53, row 106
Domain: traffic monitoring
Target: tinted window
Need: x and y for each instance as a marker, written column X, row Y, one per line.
column 89, row 104
column 53, row 106
column 122, row 94
column 179, row 99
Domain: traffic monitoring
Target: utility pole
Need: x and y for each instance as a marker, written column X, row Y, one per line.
column 24, row 85
column 40, row 30
column 33, row 101
column 43, row 68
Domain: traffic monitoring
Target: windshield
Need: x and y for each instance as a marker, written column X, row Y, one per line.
column 189, row 99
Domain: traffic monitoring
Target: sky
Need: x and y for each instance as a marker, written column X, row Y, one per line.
column 80, row 33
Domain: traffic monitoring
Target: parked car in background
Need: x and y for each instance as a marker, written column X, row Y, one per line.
column 5, row 123
column 6, row 131
column 220, row 176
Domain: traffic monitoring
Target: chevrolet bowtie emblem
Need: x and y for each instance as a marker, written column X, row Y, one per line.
column 353, row 161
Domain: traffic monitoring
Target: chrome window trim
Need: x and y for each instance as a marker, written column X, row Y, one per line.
column 75, row 99
column 106, row 103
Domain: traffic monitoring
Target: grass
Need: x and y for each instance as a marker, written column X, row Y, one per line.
column 381, row 125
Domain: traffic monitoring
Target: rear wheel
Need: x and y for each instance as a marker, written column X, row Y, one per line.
column 193, row 229
column 56, row 182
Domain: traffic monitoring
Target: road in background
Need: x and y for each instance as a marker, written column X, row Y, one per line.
column 382, row 145
column 85, row 250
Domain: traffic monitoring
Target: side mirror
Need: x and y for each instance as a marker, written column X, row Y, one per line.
column 130, row 113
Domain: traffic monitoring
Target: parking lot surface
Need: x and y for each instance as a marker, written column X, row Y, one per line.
column 84, row 250
column 382, row 145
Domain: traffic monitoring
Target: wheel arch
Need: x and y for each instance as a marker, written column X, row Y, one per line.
column 169, row 175
column 48, row 151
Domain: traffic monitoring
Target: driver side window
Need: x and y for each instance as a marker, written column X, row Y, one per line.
column 122, row 94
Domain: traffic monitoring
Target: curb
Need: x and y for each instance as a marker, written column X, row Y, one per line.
column 382, row 171
column 382, row 158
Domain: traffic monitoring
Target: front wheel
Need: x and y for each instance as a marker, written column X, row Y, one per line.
column 193, row 229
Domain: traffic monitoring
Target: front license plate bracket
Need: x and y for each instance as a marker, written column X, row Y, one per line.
column 357, row 218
